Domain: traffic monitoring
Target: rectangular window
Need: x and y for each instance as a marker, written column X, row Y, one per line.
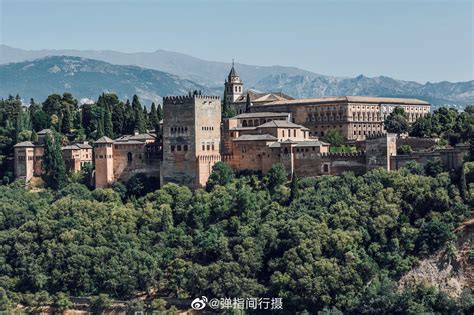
column 179, row 148
column 172, row 148
column 203, row 147
column 185, row 147
column 208, row 147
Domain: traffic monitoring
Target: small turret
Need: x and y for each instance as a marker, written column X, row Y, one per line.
column 233, row 85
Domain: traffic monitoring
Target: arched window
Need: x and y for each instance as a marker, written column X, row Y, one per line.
column 129, row 157
column 326, row 168
column 244, row 123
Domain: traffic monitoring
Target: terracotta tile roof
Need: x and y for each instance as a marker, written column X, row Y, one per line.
column 349, row 99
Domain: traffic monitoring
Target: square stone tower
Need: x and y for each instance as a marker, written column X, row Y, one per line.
column 104, row 162
column 378, row 149
column 191, row 138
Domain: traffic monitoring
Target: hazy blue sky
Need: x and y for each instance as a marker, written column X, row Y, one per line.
column 411, row 40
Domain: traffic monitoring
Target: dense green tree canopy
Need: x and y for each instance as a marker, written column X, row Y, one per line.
column 334, row 243
column 397, row 121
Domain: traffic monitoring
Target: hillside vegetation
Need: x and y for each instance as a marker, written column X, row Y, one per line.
column 325, row 244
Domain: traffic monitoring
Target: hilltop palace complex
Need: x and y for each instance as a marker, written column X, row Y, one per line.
column 269, row 128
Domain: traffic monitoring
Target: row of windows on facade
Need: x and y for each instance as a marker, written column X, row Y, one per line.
column 237, row 88
column 179, row 148
column 178, row 129
column 257, row 122
column 367, row 107
column 129, row 156
column 207, row 128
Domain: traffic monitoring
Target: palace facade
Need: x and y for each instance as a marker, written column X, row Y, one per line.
column 270, row 128
column 356, row 117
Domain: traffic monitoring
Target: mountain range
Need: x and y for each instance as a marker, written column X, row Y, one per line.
column 152, row 75
column 87, row 78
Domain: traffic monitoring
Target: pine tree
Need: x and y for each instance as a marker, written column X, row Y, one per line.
column 53, row 166
column 33, row 106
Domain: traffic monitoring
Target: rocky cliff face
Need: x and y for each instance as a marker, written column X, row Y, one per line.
column 451, row 269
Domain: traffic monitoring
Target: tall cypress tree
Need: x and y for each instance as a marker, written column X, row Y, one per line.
column 118, row 118
column 145, row 118
column 138, row 115
column 53, row 166
column 153, row 118
column 129, row 119
column 108, row 126
column 66, row 120
column 159, row 112
column 248, row 104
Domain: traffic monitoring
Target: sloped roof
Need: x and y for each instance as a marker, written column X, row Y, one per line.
column 256, row 97
column 281, row 124
column 70, row 147
column 349, row 99
column 44, row 131
column 233, row 72
column 104, row 139
column 261, row 114
column 309, row 143
column 24, row 144
column 140, row 137
column 83, row 145
column 263, row 137
column 242, row 128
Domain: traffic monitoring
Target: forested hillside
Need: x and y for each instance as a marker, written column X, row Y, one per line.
column 330, row 243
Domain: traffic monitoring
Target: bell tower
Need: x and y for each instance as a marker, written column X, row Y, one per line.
column 234, row 87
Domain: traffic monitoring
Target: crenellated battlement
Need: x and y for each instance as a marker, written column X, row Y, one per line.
column 208, row 158
column 227, row 157
column 376, row 136
column 188, row 98
column 343, row 154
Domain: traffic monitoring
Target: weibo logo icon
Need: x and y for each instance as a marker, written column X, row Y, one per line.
column 199, row 303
